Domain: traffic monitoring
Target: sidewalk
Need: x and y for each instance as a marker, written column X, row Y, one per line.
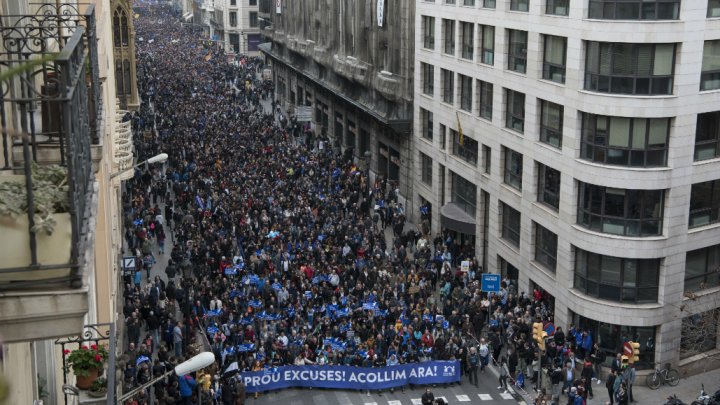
column 687, row 390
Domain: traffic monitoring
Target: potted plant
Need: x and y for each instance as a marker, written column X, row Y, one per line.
column 52, row 228
column 98, row 388
column 87, row 364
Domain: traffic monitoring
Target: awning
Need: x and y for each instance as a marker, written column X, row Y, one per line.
column 453, row 217
column 187, row 16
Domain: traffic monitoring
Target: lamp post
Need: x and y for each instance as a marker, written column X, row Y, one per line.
column 198, row 362
column 161, row 158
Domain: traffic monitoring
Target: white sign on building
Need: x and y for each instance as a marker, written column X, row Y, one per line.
column 278, row 6
column 380, row 12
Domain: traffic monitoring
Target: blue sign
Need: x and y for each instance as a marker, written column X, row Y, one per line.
column 490, row 283
column 354, row 378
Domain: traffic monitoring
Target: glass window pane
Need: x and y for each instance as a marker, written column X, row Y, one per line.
column 711, row 56
column 658, row 132
column 638, row 138
column 619, row 131
column 664, row 55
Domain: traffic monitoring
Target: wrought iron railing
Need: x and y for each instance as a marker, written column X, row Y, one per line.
column 50, row 102
column 97, row 334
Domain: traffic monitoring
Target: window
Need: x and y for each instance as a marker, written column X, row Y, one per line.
column 515, row 115
column 253, row 3
column 610, row 338
column 551, row 123
column 428, row 24
column 448, row 79
column 702, row 268
column 253, row 19
column 545, row 247
column 233, row 2
column 428, row 78
column 510, row 224
column 487, row 53
column 554, row 58
column 491, row 4
column 621, row 141
column 634, row 9
column 517, row 50
column 710, row 77
column 698, row 333
column 705, row 203
column 443, row 132
column 485, row 99
column 466, row 92
column 426, row 118
column 467, row 34
column 623, row 68
column 487, row 158
column 513, row 168
column 464, row 194
column 548, row 186
column 619, row 211
column 426, row 169
column 468, row 2
column 519, row 5
column 121, row 29
column 615, row 278
column 233, row 19
column 557, row 7
column 449, row 36
column 449, row 1
column 713, row 9
column 707, row 136
column 465, row 148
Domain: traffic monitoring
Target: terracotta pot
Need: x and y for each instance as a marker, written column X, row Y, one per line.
column 85, row 382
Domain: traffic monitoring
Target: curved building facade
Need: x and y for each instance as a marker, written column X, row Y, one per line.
column 582, row 140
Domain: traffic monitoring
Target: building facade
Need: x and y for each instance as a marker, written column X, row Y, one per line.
column 69, row 292
column 348, row 65
column 124, row 54
column 242, row 27
column 574, row 146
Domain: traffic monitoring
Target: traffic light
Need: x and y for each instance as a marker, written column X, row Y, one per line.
column 539, row 335
column 635, row 352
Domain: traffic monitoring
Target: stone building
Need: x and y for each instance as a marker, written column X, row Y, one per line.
column 124, row 50
column 350, row 65
column 588, row 160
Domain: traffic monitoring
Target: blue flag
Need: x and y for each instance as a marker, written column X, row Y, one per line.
column 141, row 360
column 247, row 347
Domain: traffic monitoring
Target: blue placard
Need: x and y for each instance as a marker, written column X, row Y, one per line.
column 356, row 378
column 490, row 283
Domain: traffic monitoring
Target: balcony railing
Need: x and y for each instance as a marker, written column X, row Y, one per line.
column 49, row 113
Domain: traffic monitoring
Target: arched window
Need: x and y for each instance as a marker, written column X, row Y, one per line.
column 121, row 32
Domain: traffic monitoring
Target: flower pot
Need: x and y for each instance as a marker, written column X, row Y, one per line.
column 51, row 249
column 85, row 382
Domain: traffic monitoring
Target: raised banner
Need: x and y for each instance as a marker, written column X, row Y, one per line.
column 354, row 378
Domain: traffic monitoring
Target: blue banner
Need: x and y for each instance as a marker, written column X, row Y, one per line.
column 355, row 378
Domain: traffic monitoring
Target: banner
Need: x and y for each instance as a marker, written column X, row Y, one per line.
column 356, row 378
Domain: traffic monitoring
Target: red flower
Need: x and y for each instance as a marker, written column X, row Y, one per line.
column 94, row 347
column 98, row 358
column 66, row 351
column 84, row 348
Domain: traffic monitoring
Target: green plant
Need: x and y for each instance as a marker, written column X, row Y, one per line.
column 84, row 359
column 99, row 385
column 50, row 192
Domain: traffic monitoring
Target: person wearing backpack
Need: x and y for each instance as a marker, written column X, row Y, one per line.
column 473, row 360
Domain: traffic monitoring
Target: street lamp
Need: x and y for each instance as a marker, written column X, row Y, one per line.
column 198, row 362
column 161, row 158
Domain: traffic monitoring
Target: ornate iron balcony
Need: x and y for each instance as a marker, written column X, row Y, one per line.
column 49, row 113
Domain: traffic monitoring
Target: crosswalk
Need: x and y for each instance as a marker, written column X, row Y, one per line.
column 458, row 398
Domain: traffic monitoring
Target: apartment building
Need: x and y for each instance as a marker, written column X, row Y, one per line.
column 574, row 145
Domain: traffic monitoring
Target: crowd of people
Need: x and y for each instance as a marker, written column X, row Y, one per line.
column 279, row 253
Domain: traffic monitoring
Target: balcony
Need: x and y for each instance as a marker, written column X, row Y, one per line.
column 50, row 116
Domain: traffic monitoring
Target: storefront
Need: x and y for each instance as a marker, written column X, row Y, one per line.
column 611, row 338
